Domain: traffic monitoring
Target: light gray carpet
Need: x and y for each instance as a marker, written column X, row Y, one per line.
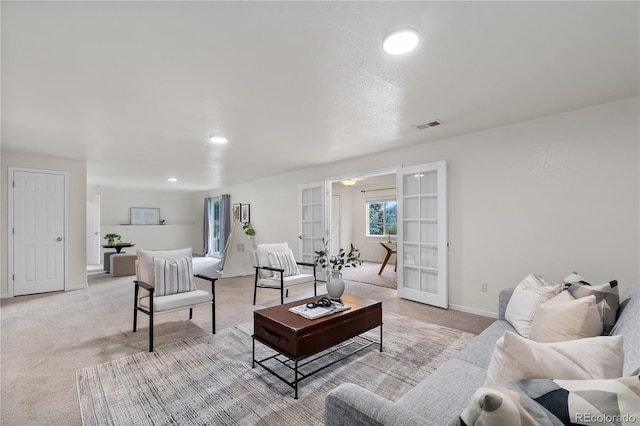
column 209, row 379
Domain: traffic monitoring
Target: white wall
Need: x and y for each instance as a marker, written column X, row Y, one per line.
column 370, row 248
column 77, row 170
column 176, row 209
column 551, row 196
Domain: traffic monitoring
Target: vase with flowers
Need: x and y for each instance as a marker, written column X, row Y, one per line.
column 333, row 264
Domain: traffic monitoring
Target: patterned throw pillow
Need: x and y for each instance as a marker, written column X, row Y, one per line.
column 284, row 260
column 528, row 295
column 538, row 401
column 173, row 277
column 607, row 300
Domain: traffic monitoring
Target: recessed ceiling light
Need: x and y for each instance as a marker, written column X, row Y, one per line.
column 218, row 139
column 401, row 41
column 172, row 179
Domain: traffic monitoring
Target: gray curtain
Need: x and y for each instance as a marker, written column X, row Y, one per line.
column 225, row 220
column 224, row 223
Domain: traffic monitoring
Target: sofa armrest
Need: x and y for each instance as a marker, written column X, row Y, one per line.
column 505, row 296
column 352, row 405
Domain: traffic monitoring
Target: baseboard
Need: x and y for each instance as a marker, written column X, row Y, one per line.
column 5, row 295
column 474, row 311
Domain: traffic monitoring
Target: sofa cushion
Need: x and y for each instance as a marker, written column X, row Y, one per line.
column 515, row 358
column 442, row 396
column 479, row 351
column 627, row 326
column 561, row 321
column 177, row 301
column 287, row 281
column 528, row 295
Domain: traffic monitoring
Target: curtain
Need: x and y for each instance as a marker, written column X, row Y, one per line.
column 225, row 220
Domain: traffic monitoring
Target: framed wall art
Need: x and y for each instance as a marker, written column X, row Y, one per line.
column 145, row 216
column 245, row 213
column 236, row 212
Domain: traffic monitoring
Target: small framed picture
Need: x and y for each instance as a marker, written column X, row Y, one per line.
column 245, row 213
column 236, row 211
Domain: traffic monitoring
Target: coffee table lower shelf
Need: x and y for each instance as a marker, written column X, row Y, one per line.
column 302, row 361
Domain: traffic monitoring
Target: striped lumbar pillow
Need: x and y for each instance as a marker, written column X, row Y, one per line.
column 173, row 277
column 284, row 260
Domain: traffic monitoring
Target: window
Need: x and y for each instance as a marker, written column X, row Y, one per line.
column 381, row 218
column 213, row 218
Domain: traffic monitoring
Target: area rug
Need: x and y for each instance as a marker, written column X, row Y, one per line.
column 368, row 273
column 209, row 379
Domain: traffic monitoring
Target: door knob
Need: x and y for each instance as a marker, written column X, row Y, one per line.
column 96, row 233
column 59, row 239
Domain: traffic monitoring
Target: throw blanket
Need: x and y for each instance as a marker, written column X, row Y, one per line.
column 556, row 402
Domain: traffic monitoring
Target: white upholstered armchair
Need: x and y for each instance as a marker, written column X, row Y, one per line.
column 277, row 269
column 167, row 278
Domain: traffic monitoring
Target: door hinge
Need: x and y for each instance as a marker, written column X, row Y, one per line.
column 13, row 183
column 13, row 277
column 13, row 231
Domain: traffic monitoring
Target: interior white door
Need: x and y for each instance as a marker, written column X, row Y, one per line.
column 311, row 215
column 422, row 234
column 93, row 230
column 38, row 232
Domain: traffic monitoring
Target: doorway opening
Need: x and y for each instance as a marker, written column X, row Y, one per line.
column 362, row 211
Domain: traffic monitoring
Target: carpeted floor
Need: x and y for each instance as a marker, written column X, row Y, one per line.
column 46, row 338
column 368, row 273
column 209, row 379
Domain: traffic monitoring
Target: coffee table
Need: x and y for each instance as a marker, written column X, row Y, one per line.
column 295, row 338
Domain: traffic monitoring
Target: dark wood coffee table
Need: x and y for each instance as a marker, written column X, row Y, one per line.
column 295, row 338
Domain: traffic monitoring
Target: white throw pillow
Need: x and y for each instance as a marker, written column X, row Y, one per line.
column 515, row 358
column 527, row 296
column 561, row 321
column 173, row 277
column 284, row 260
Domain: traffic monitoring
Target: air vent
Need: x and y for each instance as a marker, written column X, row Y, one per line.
column 426, row 126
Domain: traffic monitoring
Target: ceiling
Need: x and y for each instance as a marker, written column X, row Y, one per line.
column 136, row 88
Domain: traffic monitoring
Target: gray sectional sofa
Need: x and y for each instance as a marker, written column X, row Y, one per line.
column 440, row 398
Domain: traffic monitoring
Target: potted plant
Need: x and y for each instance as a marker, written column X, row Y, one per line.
column 334, row 263
column 111, row 239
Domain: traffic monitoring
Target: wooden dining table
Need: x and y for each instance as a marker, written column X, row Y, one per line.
column 392, row 248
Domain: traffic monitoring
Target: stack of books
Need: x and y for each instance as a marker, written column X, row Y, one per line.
column 313, row 313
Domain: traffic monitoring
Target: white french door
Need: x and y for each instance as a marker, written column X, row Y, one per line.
column 38, row 231
column 422, row 233
column 311, row 216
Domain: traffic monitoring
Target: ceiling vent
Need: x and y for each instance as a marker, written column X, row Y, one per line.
column 426, row 126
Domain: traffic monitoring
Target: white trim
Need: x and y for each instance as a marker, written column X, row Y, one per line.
column 473, row 311
column 5, row 296
column 10, row 223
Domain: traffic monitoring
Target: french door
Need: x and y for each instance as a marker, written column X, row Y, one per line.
column 311, row 216
column 422, row 233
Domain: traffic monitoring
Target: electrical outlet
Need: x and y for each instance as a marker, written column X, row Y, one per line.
column 483, row 287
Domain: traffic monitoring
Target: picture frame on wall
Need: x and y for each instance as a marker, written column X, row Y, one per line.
column 236, row 212
column 245, row 213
